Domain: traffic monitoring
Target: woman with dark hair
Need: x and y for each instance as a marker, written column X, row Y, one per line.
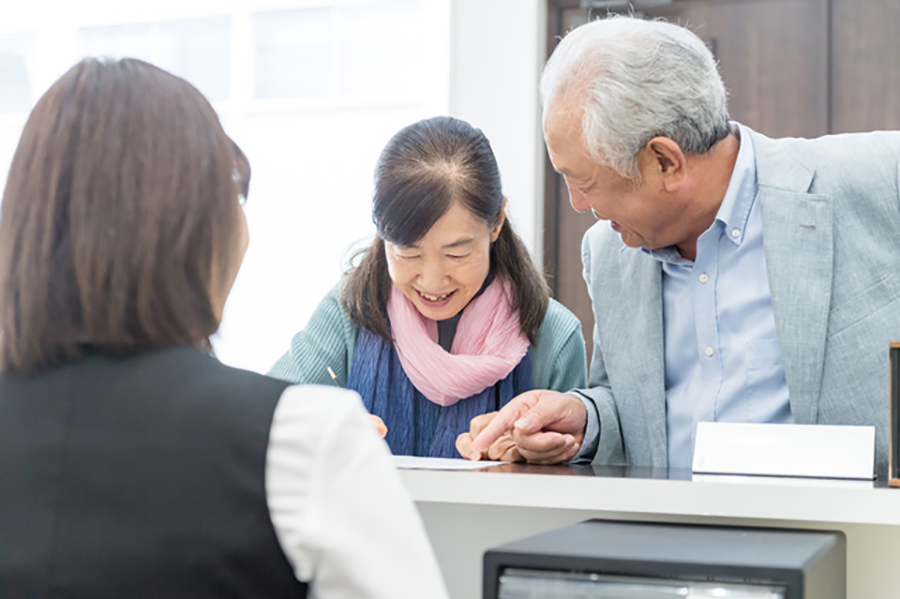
column 445, row 318
column 133, row 463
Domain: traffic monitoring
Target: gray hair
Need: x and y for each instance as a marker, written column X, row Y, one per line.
column 639, row 80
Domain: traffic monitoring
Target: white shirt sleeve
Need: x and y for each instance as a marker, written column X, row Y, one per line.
column 339, row 509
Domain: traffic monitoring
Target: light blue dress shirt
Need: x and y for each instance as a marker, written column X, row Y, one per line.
column 723, row 362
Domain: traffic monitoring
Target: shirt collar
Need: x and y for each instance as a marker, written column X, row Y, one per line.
column 738, row 201
column 734, row 212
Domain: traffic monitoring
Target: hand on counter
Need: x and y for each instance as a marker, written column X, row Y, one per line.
column 380, row 427
column 503, row 449
column 546, row 427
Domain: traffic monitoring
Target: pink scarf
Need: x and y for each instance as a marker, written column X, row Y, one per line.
column 488, row 345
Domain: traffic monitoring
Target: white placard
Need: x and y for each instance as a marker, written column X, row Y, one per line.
column 818, row 451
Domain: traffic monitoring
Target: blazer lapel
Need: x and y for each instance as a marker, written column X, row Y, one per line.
column 797, row 236
column 643, row 315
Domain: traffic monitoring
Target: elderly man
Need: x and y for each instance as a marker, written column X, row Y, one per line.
column 734, row 278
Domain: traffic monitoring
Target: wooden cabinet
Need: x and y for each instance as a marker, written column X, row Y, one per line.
column 792, row 68
column 865, row 65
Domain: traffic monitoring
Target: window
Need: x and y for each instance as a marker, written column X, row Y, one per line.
column 195, row 49
column 310, row 89
column 16, row 52
column 293, row 53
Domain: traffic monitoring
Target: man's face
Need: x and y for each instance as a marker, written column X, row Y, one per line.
column 643, row 214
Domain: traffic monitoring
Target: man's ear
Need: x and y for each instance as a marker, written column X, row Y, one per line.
column 665, row 160
column 495, row 232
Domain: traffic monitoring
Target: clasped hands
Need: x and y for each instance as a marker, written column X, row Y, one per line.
column 542, row 427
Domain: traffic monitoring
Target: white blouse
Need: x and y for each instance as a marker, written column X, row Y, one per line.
column 340, row 512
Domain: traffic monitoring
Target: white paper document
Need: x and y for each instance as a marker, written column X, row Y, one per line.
column 808, row 450
column 415, row 462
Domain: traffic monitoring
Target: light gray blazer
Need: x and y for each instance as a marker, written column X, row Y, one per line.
column 831, row 232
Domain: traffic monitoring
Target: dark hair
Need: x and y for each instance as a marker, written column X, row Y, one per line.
column 119, row 218
column 425, row 169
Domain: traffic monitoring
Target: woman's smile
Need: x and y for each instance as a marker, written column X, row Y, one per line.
column 435, row 301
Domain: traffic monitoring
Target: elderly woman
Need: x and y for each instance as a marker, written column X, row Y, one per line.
column 133, row 463
column 445, row 317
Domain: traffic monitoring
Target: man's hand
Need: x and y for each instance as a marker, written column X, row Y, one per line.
column 503, row 449
column 546, row 427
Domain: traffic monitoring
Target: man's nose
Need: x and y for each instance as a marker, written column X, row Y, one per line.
column 578, row 200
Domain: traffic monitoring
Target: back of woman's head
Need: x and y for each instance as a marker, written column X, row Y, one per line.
column 119, row 218
column 424, row 170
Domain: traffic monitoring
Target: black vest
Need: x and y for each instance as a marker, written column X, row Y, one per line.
column 139, row 477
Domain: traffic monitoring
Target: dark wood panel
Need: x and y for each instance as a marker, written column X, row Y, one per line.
column 563, row 227
column 865, row 54
column 773, row 56
column 562, row 16
column 571, row 290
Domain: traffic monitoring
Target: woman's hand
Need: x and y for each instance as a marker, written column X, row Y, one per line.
column 503, row 449
column 379, row 425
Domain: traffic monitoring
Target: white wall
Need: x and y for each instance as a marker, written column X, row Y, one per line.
column 497, row 50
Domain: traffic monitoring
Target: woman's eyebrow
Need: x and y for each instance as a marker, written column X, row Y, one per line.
column 458, row 242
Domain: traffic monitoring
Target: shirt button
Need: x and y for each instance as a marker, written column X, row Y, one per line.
column 704, row 278
column 735, row 232
column 709, row 351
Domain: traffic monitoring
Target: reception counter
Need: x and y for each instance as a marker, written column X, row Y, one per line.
column 468, row 512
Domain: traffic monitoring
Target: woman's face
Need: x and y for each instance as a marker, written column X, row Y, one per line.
column 443, row 271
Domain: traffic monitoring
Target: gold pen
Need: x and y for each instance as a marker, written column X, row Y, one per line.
column 333, row 376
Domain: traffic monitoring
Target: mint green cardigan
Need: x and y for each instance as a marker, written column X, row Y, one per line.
column 558, row 359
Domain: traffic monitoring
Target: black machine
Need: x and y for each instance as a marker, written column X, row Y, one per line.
column 601, row 559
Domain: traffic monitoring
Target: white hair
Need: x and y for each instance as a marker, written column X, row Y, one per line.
column 638, row 80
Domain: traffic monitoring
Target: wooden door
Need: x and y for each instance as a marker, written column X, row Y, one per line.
column 865, row 58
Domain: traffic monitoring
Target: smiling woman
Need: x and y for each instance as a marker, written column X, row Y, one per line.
column 445, row 317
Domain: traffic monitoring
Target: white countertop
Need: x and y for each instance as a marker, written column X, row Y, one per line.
column 644, row 491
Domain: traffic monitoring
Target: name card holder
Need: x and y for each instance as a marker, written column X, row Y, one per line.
column 797, row 450
column 894, row 452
